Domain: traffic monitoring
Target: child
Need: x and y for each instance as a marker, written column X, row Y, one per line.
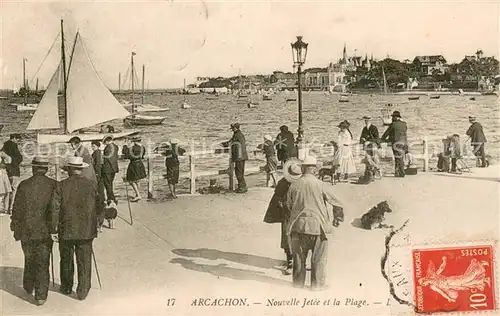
column 271, row 161
column 172, row 153
column 5, row 186
column 454, row 150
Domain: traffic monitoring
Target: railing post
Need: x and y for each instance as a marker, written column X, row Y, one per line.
column 231, row 174
column 426, row 154
column 192, row 171
column 150, row 177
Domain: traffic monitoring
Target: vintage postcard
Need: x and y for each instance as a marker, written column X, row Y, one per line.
column 249, row 157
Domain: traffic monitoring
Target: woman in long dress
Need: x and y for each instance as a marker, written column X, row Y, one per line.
column 5, row 186
column 135, row 170
column 344, row 159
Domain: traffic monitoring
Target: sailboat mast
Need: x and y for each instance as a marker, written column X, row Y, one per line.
column 143, row 72
column 24, row 82
column 119, row 82
column 133, row 96
column 36, row 86
column 385, row 80
column 63, row 57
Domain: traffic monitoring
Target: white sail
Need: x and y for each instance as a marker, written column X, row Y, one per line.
column 89, row 101
column 47, row 112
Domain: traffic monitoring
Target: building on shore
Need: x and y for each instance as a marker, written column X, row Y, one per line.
column 430, row 64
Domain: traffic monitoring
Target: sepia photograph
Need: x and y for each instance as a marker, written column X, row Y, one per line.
column 275, row 157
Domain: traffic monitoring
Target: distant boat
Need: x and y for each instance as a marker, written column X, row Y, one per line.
column 489, row 93
column 184, row 104
column 251, row 105
column 266, row 97
column 87, row 100
column 291, row 99
column 143, row 120
column 26, row 107
column 413, row 98
column 343, row 99
column 472, row 98
column 3, row 98
column 435, row 96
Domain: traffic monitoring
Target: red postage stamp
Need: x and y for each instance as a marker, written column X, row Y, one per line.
column 455, row 279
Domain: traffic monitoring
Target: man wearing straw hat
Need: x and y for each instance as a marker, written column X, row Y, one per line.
column 477, row 141
column 76, row 204
column 31, row 223
column 311, row 221
column 82, row 151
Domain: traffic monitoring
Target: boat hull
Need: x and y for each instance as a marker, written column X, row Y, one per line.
column 27, row 107
column 54, row 138
column 142, row 120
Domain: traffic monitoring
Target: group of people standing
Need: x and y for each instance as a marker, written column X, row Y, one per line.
column 10, row 160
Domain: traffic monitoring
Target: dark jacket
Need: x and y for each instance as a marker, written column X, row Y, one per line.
column 75, row 207
column 285, row 146
column 97, row 159
column 238, row 147
column 277, row 212
column 31, row 214
column 135, row 153
column 268, row 149
column 110, row 156
column 87, row 158
column 476, row 134
column 396, row 133
column 12, row 149
column 172, row 153
column 369, row 136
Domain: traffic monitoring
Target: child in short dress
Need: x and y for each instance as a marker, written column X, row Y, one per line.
column 5, row 186
column 271, row 161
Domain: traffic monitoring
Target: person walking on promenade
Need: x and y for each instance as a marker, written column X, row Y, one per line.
column 98, row 162
column 135, row 170
column 5, row 186
column 310, row 223
column 11, row 148
column 278, row 212
column 271, row 162
column 76, row 205
column 285, row 145
column 477, row 141
column 31, row 222
column 396, row 135
column 109, row 167
column 172, row 153
column 82, row 151
column 371, row 143
column 344, row 158
column 238, row 156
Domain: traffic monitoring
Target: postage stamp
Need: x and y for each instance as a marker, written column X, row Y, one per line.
column 454, row 279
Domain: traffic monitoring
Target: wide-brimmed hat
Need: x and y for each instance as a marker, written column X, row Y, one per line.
column 75, row 163
column 292, row 170
column 235, row 125
column 75, row 139
column 268, row 137
column 310, row 161
column 39, row 161
column 107, row 137
column 396, row 114
column 174, row 141
column 366, row 117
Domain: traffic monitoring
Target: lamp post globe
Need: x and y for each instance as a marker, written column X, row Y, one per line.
column 299, row 55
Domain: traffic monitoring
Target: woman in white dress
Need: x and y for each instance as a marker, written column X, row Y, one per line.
column 5, row 186
column 344, row 158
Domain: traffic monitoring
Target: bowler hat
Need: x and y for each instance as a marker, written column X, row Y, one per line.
column 396, row 114
column 39, row 161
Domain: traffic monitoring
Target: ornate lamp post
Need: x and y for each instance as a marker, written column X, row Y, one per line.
column 299, row 53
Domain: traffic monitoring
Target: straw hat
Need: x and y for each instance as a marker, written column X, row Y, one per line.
column 39, row 161
column 174, row 141
column 366, row 117
column 75, row 163
column 268, row 137
column 310, row 161
column 292, row 170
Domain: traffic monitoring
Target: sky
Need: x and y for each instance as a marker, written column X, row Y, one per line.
column 178, row 40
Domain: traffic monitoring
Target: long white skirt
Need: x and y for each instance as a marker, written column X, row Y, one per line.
column 5, row 186
column 344, row 160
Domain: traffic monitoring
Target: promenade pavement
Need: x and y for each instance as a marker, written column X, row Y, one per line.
column 216, row 246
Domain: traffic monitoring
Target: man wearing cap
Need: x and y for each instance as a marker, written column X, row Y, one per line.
column 371, row 143
column 396, row 135
column 11, row 148
column 76, row 205
column 311, row 221
column 109, row 167
column 238, row 156
column 31, row 222
column 285, row 144
column 477, row 140
column 82, row 151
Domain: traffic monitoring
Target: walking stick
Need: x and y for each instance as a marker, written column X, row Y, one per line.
column 52, row 265
column 128, row 202
column 96, row 270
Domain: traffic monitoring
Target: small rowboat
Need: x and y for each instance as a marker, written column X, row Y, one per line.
column 413, row 98
column 291, row 99
column 435, row 96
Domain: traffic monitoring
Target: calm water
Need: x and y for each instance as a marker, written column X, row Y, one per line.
column 207, row 122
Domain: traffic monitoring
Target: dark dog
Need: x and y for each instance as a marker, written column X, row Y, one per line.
column 374, row 218
column 110, row 214
column 328, row 172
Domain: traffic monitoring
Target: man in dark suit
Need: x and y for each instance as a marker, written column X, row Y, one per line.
column 109, row 167
column 371, row 143
column 477, row 140
column 76, row 204
column 98, row 163
column 31, row 223
column 396, row 135
column 285, row 144
column 238, row 156
column 11, row 148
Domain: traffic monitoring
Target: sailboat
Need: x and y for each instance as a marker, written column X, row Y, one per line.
column 387, row 110
column 87, row 101
column 143, row 107
column 137, row 119
column 184, row 104
column 25, row 106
